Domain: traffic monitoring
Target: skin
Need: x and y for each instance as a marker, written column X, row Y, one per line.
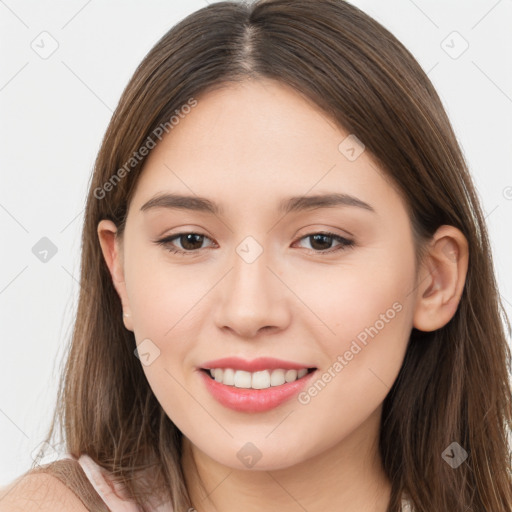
column 290, row 303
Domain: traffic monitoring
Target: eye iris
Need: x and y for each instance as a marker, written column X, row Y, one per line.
column 318, row 237
column 190, row 238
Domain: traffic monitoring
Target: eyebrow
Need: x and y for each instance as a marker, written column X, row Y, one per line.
column 288, row 205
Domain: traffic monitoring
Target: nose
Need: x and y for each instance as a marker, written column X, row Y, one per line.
column 252, row 299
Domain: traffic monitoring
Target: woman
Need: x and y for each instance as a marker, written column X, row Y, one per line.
column 287, row 293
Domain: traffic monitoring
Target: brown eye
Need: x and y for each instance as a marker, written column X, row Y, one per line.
column 189, row 242
column 320, row 242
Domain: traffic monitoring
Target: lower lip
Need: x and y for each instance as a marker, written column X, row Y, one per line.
column 254, row 400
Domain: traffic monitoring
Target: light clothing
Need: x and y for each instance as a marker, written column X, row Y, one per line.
column 112, row 493
column 406, row 505
column 115, row 497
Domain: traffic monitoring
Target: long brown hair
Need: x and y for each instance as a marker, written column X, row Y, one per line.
column 454, row 383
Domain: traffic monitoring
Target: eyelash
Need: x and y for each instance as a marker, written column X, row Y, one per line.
column 344, row 243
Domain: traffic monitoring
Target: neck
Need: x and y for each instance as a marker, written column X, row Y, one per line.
column 348, row 477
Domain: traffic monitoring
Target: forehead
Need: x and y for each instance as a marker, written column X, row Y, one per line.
column 255, row 142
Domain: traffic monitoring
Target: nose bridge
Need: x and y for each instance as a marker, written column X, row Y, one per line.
column 251, row 296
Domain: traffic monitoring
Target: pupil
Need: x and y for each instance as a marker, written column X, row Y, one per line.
column 320, row 237
column 189, row 239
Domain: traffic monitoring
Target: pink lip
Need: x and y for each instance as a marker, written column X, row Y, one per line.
column 261, row 363
column 253, row 400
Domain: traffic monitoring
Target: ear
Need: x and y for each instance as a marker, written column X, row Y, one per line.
column 112, row 252
column 441, row 279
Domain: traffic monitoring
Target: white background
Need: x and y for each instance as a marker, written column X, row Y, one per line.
column 54, row 113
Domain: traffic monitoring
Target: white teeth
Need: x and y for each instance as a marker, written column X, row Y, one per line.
column 261, row 380
column 229, row 377
column 242, row 379
column 257, row 380
column 290, row 375
column 277, row 378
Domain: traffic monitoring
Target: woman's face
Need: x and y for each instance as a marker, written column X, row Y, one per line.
column 255, row 282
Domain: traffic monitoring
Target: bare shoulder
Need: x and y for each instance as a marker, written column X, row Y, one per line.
column 39, row 492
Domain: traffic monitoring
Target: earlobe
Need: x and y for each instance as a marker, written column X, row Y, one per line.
column 111, row 249
column 441, row 280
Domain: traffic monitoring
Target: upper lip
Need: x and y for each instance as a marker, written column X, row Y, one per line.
column 255, row 365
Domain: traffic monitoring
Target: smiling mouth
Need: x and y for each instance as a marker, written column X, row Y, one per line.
column 263, row 379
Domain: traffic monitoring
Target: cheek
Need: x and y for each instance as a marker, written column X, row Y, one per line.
column 372, row 325
column 166, row 303
column 372, row 306
column 366, row 308
column 169, row 303
column 353, row 296
column 163, row 295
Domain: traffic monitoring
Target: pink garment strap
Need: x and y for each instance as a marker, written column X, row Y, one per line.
column 109, row 491
column 112, row 493
column 406, row 504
